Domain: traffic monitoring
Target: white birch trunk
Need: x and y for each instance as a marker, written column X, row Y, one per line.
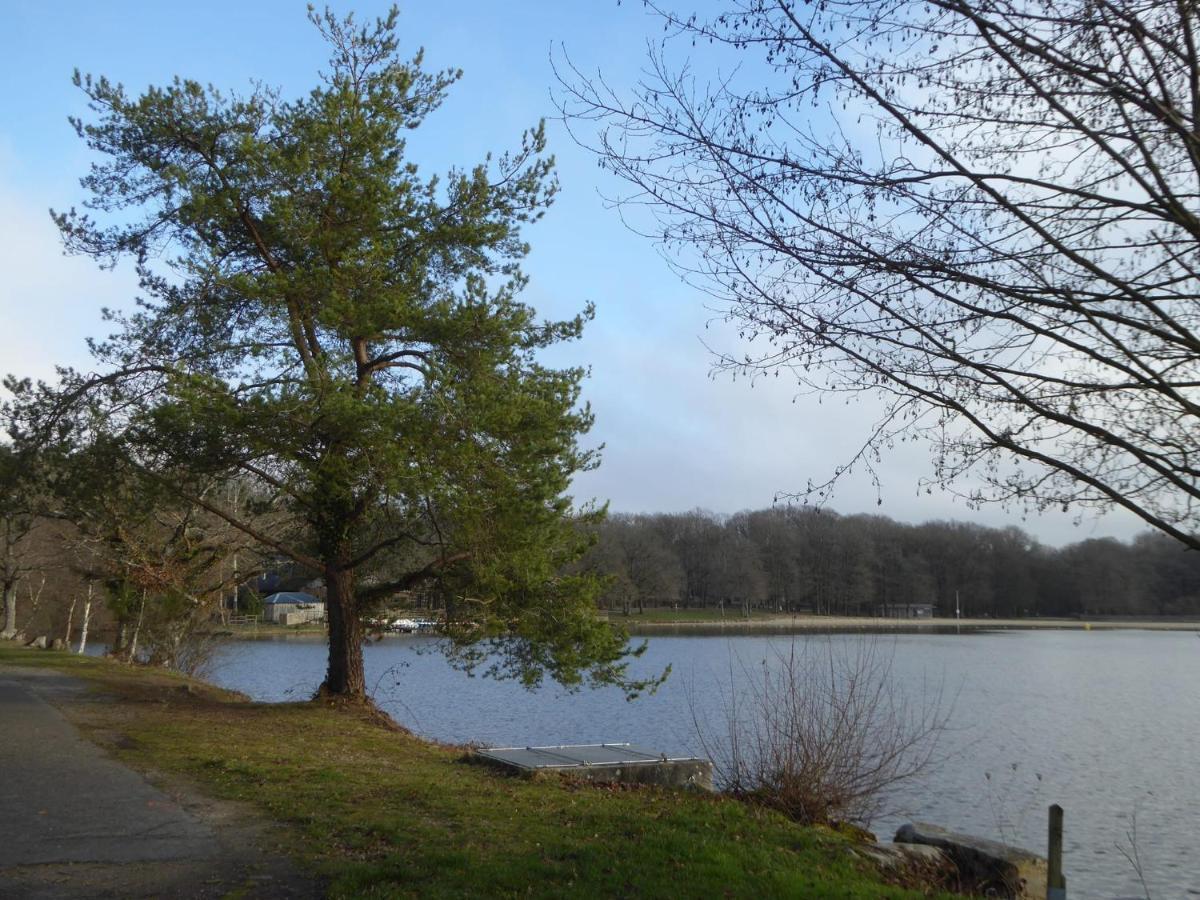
column 10, row 611
column 87, row 617
column 70, row 616
column 35, row 599
column 137, row 629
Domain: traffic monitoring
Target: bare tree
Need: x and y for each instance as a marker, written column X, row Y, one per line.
column 822, row 730
column 987, row 212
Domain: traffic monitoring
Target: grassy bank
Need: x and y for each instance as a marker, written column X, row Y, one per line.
column 378, row 813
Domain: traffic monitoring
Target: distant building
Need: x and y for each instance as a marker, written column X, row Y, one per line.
column 293, row 608
column 905, row 610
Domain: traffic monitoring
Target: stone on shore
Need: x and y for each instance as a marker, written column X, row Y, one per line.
column 58, row 644
column 39, row 643
column 987, row 867
column 912, row 863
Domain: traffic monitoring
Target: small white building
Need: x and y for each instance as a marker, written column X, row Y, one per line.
column 293, row 608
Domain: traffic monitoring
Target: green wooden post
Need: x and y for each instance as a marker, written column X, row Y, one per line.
column 1056, row 882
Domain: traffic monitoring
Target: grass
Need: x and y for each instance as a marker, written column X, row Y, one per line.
column 378, row 813
column 269, row 629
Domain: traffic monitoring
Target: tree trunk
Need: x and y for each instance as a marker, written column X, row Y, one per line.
column 35, row 599
column 137, row 629
column 10, row 610
column 121, row 639
column 70, row 618
column 87, row 617
column 345, row 676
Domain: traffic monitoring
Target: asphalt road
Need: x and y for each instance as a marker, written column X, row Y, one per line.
column 76, row 823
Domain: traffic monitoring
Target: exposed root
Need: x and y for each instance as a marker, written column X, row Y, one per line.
column 361, row 705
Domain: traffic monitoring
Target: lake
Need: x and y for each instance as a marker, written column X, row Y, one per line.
column 1106, row 724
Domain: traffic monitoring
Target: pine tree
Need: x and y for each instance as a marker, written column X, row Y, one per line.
column 324, row 321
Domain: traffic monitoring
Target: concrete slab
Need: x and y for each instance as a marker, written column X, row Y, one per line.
column 605, row 762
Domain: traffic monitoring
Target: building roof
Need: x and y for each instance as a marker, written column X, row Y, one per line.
column 291, row 597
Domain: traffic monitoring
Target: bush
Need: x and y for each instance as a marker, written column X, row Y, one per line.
column 822, row 730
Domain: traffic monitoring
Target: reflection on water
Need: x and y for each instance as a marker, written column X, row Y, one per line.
column 1107, row 724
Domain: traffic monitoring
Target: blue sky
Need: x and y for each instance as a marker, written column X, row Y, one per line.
column 675, row 438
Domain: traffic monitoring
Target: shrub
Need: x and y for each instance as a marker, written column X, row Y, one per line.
column 821, row 730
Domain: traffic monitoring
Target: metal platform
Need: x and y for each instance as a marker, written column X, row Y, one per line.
column 605, row 762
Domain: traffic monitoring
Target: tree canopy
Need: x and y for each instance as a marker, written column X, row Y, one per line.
column 344, row 334
column 985, row 212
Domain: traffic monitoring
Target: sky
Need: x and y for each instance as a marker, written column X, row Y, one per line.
column 675, row 436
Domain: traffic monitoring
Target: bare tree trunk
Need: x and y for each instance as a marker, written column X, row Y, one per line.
column 35, row 599
column 226, row 611
column 121, row 641
column 137, row 629
column 70, row 617
column 87, row 617
column 345, row 676
column 10, row 610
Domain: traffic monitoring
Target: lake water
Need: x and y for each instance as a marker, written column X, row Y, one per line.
column 1107, row 724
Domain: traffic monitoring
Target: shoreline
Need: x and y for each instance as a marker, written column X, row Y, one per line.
column 802, row 625
column 939, row 625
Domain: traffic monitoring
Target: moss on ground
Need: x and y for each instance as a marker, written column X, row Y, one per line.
column 380, row 813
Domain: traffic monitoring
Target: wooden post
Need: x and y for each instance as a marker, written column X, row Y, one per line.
column 1056, row 882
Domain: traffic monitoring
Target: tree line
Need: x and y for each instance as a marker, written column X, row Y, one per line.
column 799, row 559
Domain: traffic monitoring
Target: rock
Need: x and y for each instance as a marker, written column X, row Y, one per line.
column 987, row 867
column 58, row 644
column 39, row 643
column 927, row 864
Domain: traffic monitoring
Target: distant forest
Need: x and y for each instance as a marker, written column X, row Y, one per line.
column 790, row 559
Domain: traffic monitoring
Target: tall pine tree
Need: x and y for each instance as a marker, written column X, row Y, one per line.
column 345, row 334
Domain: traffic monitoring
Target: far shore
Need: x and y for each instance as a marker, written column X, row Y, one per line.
column 798, row 624
column 650, row 624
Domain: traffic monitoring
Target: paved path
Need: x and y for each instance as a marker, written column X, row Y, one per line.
column 77, row 823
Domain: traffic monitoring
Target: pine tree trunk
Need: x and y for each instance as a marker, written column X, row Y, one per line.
column 345, row 676
column 10, row 610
